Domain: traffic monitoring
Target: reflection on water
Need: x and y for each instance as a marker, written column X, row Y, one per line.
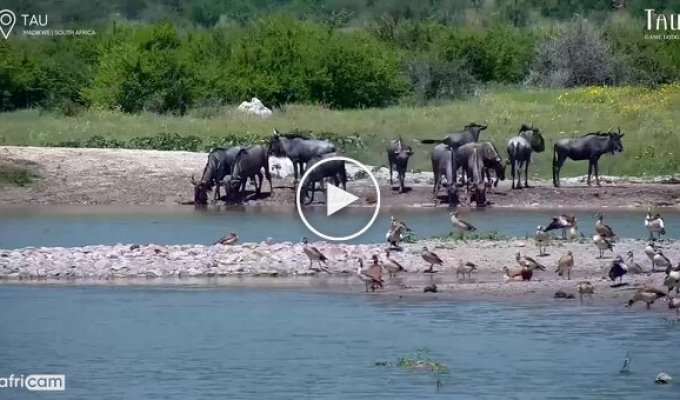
column 29, row 227
column 208, row 343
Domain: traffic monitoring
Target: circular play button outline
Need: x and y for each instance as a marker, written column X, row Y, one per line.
column 323, row 235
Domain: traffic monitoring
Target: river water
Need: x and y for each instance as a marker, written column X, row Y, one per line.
column 231, row 343
column 78, row 227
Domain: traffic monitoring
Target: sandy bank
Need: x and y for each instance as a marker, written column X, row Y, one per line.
column 149, row 177
column 285, row 265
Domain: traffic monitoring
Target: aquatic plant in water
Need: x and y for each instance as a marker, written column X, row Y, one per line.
column 419, row 361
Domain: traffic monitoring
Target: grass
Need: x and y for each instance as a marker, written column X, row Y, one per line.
column 17, row 175
column 419, row 361
column 647, row 116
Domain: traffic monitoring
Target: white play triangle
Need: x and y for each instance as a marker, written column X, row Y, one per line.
column 337, row 199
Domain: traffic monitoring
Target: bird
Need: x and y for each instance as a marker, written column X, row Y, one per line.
column 394, row 234
column 371, row 276
column 465, row 269
column 542, row 240
column 528, row 262
column 563, row 222
column 585, row 287
column 648, row 295
column 672, row 280
column 618, row 269
column 392, row 266
column 565, row 264
column 315, row 254
column 461, row 226
column 602, row 244
column 661, row 260
column 633, row 267
column 674, row 303
column 650, row 251
column 603, row 230
column 655, row 226
column 228, row 239
column 431, row 258
column 524, row 272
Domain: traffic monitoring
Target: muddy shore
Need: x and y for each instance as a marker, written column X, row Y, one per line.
column 147, row 177
column 284, row 265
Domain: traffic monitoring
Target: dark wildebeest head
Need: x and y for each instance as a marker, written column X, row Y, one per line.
column 201, row 190
column 533, row 136
column 615, row 140
column 475, row 129
column 277, row 144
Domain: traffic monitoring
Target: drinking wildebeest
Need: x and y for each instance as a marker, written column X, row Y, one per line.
column 397, row 157
column 248, row 163
column 457, row 139
column 475, row 170
column 218, row 166
column 299, row 150
column 520, row 150
column 490, row 159
column 588, row 147
column 334, row 169
column 444, row 163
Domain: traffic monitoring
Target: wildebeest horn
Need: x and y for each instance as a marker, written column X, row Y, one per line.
column 610, row 129
column 619, row 129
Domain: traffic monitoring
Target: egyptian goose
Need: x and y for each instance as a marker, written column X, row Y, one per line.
column 315, row 254
column 371, row 276
column 461, row 226
column 660, row 260
column 565, row 264
column 228, row 239
column 655, row 226
column 585, row 287
column 430, row 258
column 633, row 267
column 562, row 222
column 524, row 272
column 465, row 269
column 650, row 251
column 542, row 240
column 618, row 269
column 528, row 262
column 602, row 244
column 603, row 230
column 648, row 295
column 394, row 234
column 672, row 280
column 392, row 266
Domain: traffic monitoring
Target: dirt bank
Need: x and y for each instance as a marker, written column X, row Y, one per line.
column 148, row 177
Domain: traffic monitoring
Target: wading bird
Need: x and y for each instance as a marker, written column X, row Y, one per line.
column 633, row 267
column 524, row 272
column 562, row 222
column 655, row 226
column 392, row 266
column 604, row 230
column 431, row 258
column 528, row 262
column 565, row 264
column 660, row 260
column 315, row 254
column 228, row 239
column 585, row 287
column 465, row 269
column 542, row 240
column 618, row 269
column 395, row 234
column 650, row 251
column 602, row 244
column 672, row 280
column 647, row 295
column 371, row 276
column 461, row 226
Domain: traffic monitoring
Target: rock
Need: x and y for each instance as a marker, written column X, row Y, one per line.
column 255, row 107
column 560, row 294
column 430, row 289
column 280, row 167
column 663, row 378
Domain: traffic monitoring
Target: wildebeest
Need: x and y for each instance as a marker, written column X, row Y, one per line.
column 588, row 147
column 334, row 169
column 444, row 164
column 218, row 166
column 520, row 150
column 299, row 150
column 397, row 157
column 490, row 158
column 248, row 163
column 456, row 139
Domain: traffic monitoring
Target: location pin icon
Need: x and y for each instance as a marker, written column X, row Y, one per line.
column 7, row 21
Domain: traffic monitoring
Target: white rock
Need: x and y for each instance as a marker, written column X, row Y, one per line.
column 280, row 167
column 663, row 378
column 255, row 107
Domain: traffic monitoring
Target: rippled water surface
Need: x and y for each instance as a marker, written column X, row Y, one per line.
column 209, row 343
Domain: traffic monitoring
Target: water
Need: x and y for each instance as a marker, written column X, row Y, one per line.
column 209, row 343
column 45, row 227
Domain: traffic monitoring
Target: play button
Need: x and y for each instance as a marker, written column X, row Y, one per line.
column 337, row 199
column 340, row 222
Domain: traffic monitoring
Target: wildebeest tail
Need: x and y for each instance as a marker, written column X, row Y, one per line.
column 430, row 141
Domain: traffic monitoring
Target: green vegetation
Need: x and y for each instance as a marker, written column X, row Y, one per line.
column 419, row 361
column 17, row 175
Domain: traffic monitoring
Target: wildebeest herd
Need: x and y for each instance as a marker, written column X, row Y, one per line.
column 459, row 160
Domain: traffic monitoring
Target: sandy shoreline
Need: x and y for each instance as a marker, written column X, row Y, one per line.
column 283, row 265
column 121, row 177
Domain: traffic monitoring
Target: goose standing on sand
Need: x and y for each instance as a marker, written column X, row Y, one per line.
column 370, row 276
column 672, row 280
column 465, row 269
column 565, row 264
column 562, row 222
column 394, row 234
column 602, row 244
column 315, row 254
column 431, row 258
column 618, row 269
column 660, row 260
column 228, row 239
column 650, row 251
column 528, row 262
column 585, row 287
column 604, row 230
column 525, row 272
column 655, row 226
column 633, row 267
column 392, row 266
column 542, row 240
column 648, row 295
column 461, row 226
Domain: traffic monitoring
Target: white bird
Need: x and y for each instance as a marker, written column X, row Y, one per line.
column 618, row 269
column 315, row 254
column 392, row 266
column 542, row 240
column 371, row 276
column 602, row 244
column 660, row 260
column 465, row 269
column 633, row 267
column 655, row 226
column 461, row 226
column 650, row 251
column 672, row 280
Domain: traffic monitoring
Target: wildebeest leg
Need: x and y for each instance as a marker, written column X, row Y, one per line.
column 597, row 172
column 258, row 185
column 513, row 168
column 590, row 170
column 520, row 165
column 526, row 174
column 435, row 189
column 558, row 161
column 401, row 181
column 390, row 164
